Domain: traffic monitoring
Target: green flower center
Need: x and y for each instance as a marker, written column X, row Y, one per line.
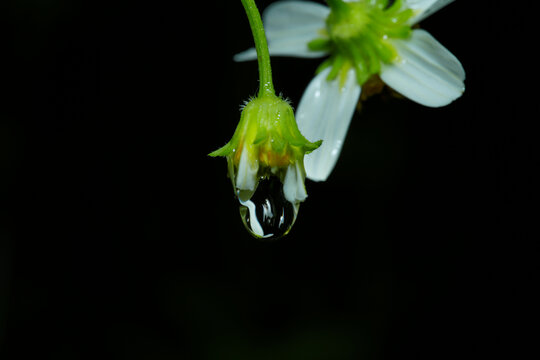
column 359, row 34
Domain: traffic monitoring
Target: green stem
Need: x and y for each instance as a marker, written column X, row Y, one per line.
column 261, row 46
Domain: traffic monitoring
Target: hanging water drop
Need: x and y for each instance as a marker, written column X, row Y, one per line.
column 266, row 213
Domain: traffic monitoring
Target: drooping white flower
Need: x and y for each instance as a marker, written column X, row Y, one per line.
column 363, row 38
column 267, row 148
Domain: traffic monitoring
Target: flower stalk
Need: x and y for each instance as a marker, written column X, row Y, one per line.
column 261, row 46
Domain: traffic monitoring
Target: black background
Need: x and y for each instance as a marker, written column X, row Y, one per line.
column 120, row 237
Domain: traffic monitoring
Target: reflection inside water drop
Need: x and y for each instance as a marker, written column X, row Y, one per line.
column 267, row 214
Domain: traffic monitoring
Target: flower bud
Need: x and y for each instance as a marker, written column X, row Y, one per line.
column 267, row 145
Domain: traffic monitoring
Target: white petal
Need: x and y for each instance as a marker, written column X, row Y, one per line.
column 289, row 27
column 425, row 8
column 246, row 178
column 293, row 184
column 249, row 54
column 325, row 112
column 426, row 72
column 253, row 221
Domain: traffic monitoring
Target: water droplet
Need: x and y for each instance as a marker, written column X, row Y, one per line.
column 267, row 214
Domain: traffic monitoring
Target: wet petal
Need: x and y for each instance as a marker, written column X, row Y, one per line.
column 293, row 184
column 425, row 8
column 289, row 27
column 246, row 179
column 426, row 72
column 325, row 112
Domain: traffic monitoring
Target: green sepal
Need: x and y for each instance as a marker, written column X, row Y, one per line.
column 262, row 135
column 223, row 151
column 312, row 146
column 320, row 44
column 267, row 124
